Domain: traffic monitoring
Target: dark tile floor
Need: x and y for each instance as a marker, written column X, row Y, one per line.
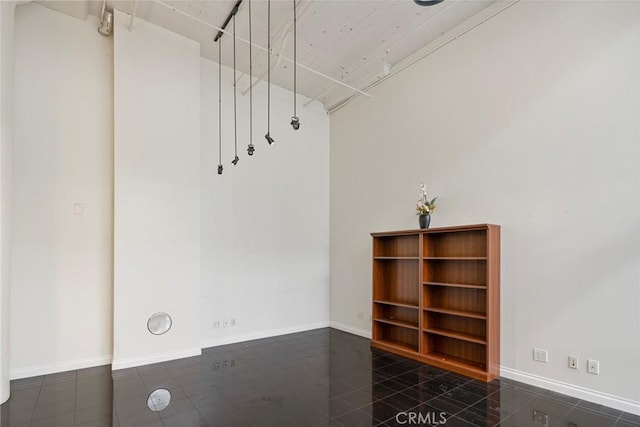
column 318, row 378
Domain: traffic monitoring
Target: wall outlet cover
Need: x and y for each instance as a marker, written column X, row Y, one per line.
column 573, row 362
column 540, row 418
column 541, row 355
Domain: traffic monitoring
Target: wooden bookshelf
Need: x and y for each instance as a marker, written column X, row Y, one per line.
column 436, row 297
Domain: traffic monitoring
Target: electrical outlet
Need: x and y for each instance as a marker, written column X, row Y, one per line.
column 573, row 362
column 215, row 324
column 593, row 367
column 540, row 418
column 233, row 322
column 225, row 323
column 541, row 355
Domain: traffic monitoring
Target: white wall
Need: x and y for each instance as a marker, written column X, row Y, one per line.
column 264, row 228
column 61, row 276
column 157, row 192
column 7, row 18
column 530, row 121
column 265, row 221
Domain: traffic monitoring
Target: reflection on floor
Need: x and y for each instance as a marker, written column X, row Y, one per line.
column 318, row 378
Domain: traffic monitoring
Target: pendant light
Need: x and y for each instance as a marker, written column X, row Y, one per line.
column 295, row 120
column 268, row 137
column 250, row 148
column 235, row 105
column 220, row 108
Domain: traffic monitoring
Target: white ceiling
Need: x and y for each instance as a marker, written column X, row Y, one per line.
column 347, row 40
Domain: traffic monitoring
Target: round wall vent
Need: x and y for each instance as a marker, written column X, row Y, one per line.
column 159, row 323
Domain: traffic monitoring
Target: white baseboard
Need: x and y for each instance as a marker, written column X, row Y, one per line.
column 578, row 392
column 131, row 362
column 213, row 342
column 52, row 368
column 350, row 329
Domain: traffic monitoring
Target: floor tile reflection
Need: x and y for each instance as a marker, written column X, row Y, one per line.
column 318, row 378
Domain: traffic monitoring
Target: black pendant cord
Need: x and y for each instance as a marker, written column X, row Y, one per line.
column 235, row 105
column 269, row 67
column 221, row 32
column 268, row 135
column 295, row 59
column 220, row 108
column 251, row 148
column 295, row 120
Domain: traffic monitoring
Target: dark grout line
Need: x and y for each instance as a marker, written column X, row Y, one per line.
column 37, row 400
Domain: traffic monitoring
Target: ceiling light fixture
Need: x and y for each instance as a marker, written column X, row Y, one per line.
column 250, row 148
column 427, row 2
column 295, row 120
column 221, row 31
column 235, row 105
column 268, row 137
column 106, row 21
column 220, row 168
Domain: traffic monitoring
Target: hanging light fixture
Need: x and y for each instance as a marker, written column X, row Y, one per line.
column 295, row 120
column 235, row 106
column 220, row 168
column 217, row 38
column 268, row 137
column 250, row 148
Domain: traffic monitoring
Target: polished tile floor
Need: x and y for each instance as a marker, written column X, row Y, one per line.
column 318, row 378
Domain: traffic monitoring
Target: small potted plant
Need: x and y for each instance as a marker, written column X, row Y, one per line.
column 424, row 207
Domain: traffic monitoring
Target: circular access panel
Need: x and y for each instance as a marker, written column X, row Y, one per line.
column 159, row 323
column 159, row 399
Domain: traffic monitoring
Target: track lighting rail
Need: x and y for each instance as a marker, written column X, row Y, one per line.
column 233, row 12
